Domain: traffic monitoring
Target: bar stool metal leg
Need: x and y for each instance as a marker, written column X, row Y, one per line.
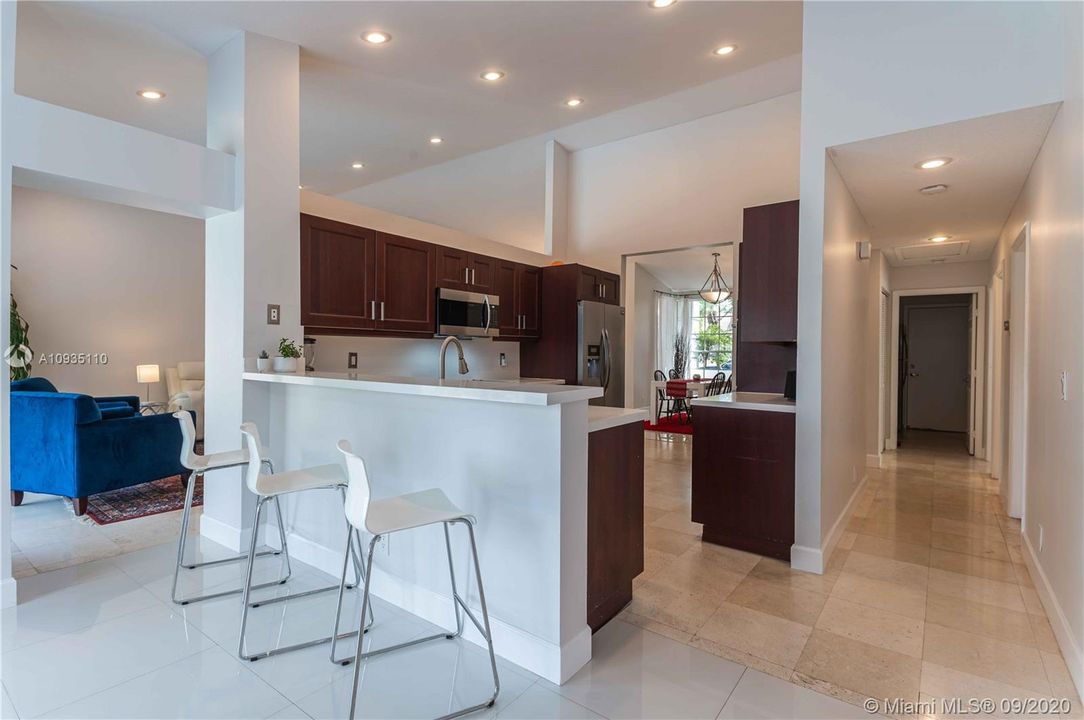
column 483, row 627
column 248, row 587
column 182, row 543
column 352, row 535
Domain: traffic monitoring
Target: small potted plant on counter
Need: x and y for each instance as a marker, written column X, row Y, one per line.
column 289, row 352
column 263, row 363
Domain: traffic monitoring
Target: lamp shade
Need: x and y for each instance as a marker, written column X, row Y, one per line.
column 147, row 373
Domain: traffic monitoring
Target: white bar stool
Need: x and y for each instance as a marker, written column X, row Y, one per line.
column 200, row 465
column 269, row 488
column 394, row 514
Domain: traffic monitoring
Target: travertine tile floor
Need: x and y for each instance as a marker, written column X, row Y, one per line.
column 926, row 597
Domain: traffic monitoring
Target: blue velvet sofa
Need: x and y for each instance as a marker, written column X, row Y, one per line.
column 77, row 445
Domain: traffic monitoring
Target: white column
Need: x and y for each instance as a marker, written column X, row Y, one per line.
column 7, row 91
column 252, row 255
column 556, row 240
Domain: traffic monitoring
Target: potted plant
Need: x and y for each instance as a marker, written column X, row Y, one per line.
column 263, row 363
column 289, row 352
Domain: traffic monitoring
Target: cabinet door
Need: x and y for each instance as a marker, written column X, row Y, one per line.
column 483, row 273
column 609, row 286
column 405, row 284
column 453, row 268
column 589, row 288
column 508, row 320
column 529, row 300
column 769, row 273
column 337, row 274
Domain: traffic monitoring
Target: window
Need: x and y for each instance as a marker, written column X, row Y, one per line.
column 711, row 342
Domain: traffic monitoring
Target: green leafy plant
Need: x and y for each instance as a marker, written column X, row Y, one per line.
column 263, row 354
column 289, row 349
column 20, row 338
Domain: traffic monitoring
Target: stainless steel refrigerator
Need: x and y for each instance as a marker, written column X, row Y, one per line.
column 601, row 351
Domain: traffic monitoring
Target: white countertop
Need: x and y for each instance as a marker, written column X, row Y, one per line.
column 747, row 401
column 523, row 391
column 603, row 418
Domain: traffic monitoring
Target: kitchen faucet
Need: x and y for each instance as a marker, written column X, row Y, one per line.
column 452, row 339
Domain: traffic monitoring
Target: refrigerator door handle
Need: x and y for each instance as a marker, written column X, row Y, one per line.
column 605, row 360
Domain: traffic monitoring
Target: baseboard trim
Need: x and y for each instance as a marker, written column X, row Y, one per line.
column 9, row 595
column 221, row 533
column 873, row 460
column 1062, row 630
column 813, row 559
column 556, row 663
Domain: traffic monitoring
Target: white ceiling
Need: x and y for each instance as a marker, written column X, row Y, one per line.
column 686, row 270
column 379, row 105
column 991, row 159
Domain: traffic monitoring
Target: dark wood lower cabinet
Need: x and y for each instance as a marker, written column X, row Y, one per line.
column 615, row 519
column 743, row 479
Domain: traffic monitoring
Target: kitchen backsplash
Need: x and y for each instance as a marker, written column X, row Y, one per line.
column 408, row 357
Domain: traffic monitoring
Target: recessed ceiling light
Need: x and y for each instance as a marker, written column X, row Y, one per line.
column 574, row 102
column 149, row 94
column 933, row 189
column 492, row 75
column 939, row 238
column 934, row 163
column 376, row 37
column 357, row 166
column 436, row 140
column 725, row 49
column 660, row 4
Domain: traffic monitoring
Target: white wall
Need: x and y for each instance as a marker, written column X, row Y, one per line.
column 498, row 194
column 862, row 78
column 641, row 326
column 843, row 362
column 1052, row 199
column 878, row 280
column 95, row 277
column 932, row 276
column 683, row 185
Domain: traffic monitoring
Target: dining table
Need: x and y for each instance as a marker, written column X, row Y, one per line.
column 693, row 388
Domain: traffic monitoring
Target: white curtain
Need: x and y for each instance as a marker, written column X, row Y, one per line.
column 673, row 319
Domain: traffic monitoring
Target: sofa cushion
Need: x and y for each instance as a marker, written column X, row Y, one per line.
column 191, row 370
column 33, row 384
column 112, row 412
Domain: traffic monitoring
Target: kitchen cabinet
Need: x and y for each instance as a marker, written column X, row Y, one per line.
column 357, row 279
column 768, row 273
column 598, row 285
column 615, row 519
column 519, row 288
column 337, row 274
column 405, row 284
column 463, row 270
column 743, row 479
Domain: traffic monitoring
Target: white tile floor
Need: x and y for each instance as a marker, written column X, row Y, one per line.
column 102, row 640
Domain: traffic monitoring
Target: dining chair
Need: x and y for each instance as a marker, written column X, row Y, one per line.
column 661, row 400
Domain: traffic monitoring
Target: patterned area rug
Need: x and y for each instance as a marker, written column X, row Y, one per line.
column 153, row 498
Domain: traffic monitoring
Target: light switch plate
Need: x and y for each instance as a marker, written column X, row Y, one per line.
column 504, row 360
column 352, row 361
column 274, row 314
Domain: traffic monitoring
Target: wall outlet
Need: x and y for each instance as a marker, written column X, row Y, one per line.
column 503, row 360
column 352, row 361
column 273, row 314
column 1064, row 385
column 1040, row 537
column 384, row 544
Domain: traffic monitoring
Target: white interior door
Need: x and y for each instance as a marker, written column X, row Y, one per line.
column 972, row 374
column 886, row 369
column 938, row 368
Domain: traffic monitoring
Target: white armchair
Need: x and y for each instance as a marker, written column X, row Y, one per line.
column 184, row 384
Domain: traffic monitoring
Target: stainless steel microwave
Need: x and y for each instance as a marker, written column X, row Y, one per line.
column 460, row 312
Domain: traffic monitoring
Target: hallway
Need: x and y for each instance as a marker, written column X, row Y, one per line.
column 926, row 597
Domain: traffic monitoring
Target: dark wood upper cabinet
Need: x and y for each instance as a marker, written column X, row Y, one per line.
column 508, row 320
column 405, row 284
column 529, row 300
column 337, row 274
column 599, row 286
column 483, row 273
column 453, row 268
column 768, row 274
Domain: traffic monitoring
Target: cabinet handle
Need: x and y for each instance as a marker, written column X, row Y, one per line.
column 466, row 275
column 472, row 276
column 372, row 309
column 382, row 311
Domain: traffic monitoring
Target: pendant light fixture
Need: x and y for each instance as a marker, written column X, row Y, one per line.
column 715, row 289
